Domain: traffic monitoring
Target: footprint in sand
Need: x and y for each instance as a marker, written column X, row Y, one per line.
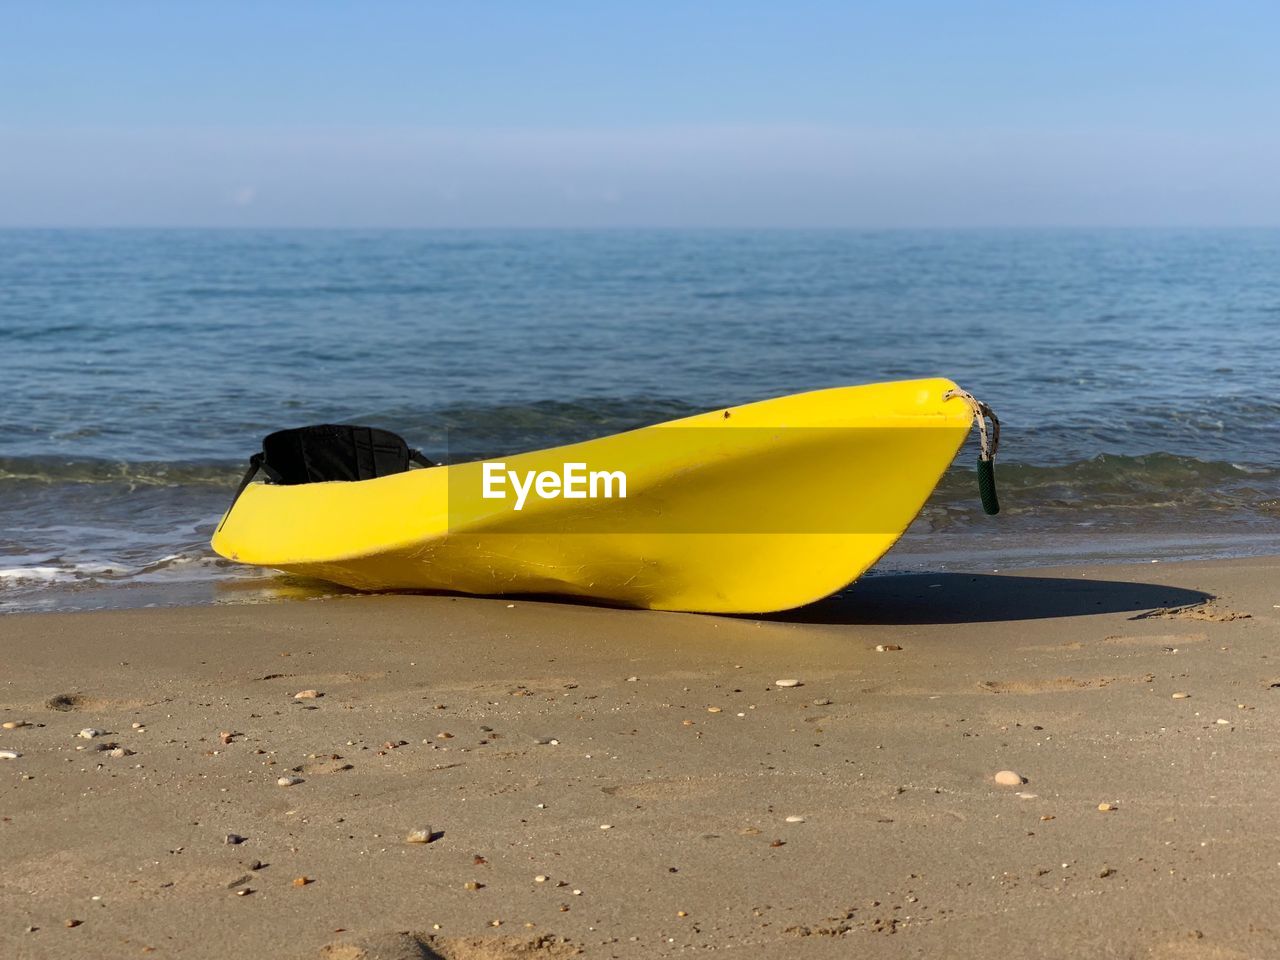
column 1052, row 684
column 414, row 946
column 321, row 767
column 1207, row 611
column 66, row 702
column 672, row 788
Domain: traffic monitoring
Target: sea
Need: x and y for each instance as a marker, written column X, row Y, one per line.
column 1134, row 373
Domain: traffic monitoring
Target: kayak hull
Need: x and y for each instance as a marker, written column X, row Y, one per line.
column 748, row 509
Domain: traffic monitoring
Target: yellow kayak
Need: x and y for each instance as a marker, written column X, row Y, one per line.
column 745, row 509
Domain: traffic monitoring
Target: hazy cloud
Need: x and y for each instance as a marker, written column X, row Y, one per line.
column 706, row 175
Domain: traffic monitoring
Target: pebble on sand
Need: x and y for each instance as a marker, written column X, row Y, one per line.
column 14, row 724
column 88, row 733
column 302, row 881
column 308, row 695
column 795, row 819
column 119, row 752
column 786, row 683
column 289, row 781
column 1181, row 695
column 418, row 835
column 1106, row 807
column 233, row 839
column 714, row 709
column 540, row 878
column 887, row 647
column 9, row 755
column 1008, row 778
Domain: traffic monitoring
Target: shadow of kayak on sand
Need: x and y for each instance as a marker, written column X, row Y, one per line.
column 936, row 598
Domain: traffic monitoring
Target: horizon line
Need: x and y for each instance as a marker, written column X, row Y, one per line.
column 843, row 228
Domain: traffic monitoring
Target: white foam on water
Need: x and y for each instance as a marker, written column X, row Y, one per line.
column 26, row 575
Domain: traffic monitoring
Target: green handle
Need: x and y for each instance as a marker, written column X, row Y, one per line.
column 987, row 487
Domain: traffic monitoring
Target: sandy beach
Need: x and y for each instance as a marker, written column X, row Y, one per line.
column 605, row 783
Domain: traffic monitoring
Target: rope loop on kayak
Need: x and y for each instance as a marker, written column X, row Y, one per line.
column 981, row 413
column 988, row 445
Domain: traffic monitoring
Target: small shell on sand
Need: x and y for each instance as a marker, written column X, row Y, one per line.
column 289, row 781
column 1181, row 695
column 1106, row 807
column 308, row 695
column 714, row 709
column 1007, row 778
column 795, row 819
column 886, row 647
column 606, row 826
column 14, row 724
column 9, row 754
column 88, row 733
column 418, row 835
column 786, row 683
column 138, row 726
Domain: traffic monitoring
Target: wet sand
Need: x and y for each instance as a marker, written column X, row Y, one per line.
column 646, row 765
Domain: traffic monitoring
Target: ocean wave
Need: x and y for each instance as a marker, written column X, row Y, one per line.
column 64, row 470
column 1110, row 481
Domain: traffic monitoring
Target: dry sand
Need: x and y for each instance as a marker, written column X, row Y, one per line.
column 669, row 729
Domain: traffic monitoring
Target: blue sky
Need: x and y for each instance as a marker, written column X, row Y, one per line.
column 552, row 113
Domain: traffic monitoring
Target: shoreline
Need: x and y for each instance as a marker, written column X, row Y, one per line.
column 919, row 552
column 670, row 730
